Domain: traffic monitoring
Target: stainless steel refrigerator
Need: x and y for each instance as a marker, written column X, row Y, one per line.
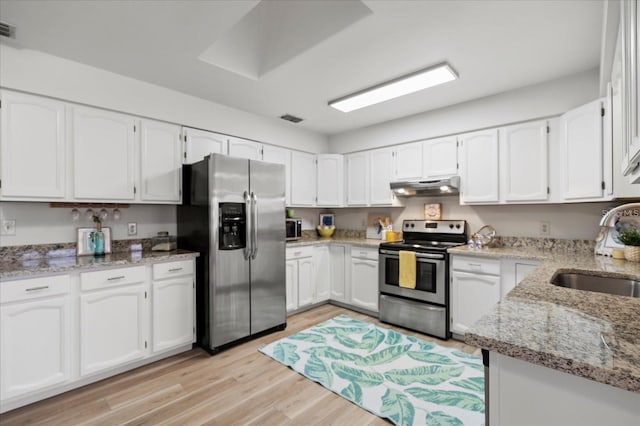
column 233, row 213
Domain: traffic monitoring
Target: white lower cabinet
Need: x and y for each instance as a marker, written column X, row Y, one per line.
column 478, row 283
column 322, row 268
column 114, row 326
column 300, row 277
column 338, row 266
column 35, row 335
column 173, row 300
column 364, row 278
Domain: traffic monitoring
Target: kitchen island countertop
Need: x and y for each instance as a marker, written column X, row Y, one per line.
column 587, row 334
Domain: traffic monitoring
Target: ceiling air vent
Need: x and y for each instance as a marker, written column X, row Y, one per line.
column 291, row 118
column 7, row 30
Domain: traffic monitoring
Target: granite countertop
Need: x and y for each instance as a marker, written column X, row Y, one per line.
column 48, row 265
column 561, row 328
column 314, row 240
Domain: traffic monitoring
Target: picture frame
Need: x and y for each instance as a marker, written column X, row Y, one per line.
column 327, row 219
column 85, row 246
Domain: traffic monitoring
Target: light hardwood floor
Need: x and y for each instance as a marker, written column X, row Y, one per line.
column 238, row 386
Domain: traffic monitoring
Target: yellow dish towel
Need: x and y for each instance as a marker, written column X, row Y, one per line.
column 407, row 278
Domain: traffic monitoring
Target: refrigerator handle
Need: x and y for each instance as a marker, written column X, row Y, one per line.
column 254, row 225
column 247, row 208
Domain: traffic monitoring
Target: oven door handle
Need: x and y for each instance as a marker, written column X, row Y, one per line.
column 418, row 255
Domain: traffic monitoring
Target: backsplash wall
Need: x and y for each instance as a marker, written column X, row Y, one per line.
column 567, row 221
column 37, row 223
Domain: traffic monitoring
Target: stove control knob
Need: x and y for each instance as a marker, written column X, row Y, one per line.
column 406, row 225
column 413, row 225
column 451, row 225
column 458, row 226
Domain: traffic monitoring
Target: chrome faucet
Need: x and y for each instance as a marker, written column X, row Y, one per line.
column 609, row 218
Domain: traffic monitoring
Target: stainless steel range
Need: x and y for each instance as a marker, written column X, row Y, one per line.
column 424, row 308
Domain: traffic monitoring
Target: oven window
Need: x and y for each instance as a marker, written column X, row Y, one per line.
column 425, row 274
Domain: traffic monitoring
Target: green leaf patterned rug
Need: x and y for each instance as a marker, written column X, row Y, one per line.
column 402, row 378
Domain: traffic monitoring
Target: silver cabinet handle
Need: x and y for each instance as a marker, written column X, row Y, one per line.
column 297, row 253
column 363, row 253
column 175, row 269
column 44, row 287
column 119, row 277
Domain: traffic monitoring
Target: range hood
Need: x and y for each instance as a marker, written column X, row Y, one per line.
column 448, row 186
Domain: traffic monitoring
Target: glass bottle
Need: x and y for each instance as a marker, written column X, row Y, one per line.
column 97, row 237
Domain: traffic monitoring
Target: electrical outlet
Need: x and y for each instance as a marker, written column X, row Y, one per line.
column 544, row 229
column 9, row 227
column 132, row 228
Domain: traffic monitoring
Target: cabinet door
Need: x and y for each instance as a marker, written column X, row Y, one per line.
column 32, row 147
column 472, row 295
column 200, row 143
column 103, row 145
column 322, row 269
column 35, row 345
column 113, row 328
column 306, row 282
column 292, row 285
column 357, row 182
column 338, row 277
column 364, row 283
column 173, row 313
column 524, row 161
column 160, row 162
column 440, row 157
column 274, row 154
column 243, row 148
column 408, row 161
column 583, row 152
column 330, row 174
column 381, row 173
column 303, row 179
column 479, row 173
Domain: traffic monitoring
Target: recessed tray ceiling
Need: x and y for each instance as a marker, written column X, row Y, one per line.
column 276, row 31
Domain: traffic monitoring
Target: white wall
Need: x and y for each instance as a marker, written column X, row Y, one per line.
column 37, row 223
column 40, row 73
column 567, row 221
column 542, row 100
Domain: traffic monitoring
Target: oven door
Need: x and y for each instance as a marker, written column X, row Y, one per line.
column 430, row 277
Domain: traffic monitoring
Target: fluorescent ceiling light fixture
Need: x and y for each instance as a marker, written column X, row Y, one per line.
column 411, row 83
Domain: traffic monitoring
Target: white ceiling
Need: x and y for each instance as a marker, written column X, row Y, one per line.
column 493, row 45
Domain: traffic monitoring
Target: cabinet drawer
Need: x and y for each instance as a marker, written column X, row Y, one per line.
column 298, row 252
column 364, row 253
column 112, row 277
column 12, row 291
column 172, row 269
column 477, row 265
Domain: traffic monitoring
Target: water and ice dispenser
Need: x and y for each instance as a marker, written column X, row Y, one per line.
column 233, row 225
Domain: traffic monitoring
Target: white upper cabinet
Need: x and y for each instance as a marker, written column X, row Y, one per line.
column 330, row 187
column 357, row 179
column 582, row 153
column 160, row 162
column 440, row 157
column 274, row 154
column 479, row 167
column 524, row 162
column 200, row 143
column 245, row 149
column 381, row 172
column 103, row 147
column 303, row 179
column 32, row 147
column 407, row 161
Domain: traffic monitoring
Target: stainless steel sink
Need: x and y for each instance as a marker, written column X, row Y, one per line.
column 619, row 286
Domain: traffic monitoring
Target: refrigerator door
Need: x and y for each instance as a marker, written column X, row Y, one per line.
column 268, row 288
column 230, row 312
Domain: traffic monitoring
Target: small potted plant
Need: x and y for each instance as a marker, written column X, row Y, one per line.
column 630, row 237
